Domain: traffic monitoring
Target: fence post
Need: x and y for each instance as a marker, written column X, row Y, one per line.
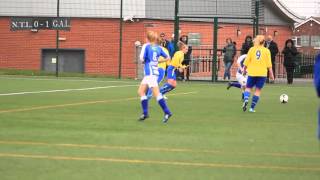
column 215, row 46
column 257, row 17
column 57, row 41
column 120, row 39
column 176, row 24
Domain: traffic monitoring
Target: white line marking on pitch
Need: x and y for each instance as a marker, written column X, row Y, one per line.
column 62, row 79
column 64, row 90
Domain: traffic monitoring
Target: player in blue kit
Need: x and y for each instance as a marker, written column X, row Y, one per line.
column 242, row 79
column 162, row 71
column 317, row 85
column 150, row 54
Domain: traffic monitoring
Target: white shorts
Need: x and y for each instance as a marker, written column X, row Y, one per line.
column 241, row 79
column 151, row 81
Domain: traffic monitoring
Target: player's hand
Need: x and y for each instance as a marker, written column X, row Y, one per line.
column 181, row 70
column 271, row 76
column 244, row 73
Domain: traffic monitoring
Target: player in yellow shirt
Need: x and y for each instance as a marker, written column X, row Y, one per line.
column 256, row 65
column 174, row 65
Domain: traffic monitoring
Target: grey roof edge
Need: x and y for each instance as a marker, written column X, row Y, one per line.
column 311, row 18
column 295, row 17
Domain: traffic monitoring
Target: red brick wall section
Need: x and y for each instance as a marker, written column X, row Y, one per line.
column 21, row 49
column 100, row 39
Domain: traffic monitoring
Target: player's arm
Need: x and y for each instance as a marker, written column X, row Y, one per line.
column 143, row 53
column 165, row 56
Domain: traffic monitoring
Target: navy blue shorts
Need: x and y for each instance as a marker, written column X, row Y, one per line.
column 171, row 74
column 256, row 81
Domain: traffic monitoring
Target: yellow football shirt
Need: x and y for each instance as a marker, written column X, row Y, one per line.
column 163, row 65
column 177, row 59
column 258, row 61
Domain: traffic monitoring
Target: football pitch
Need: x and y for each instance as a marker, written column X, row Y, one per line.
column 78, row 128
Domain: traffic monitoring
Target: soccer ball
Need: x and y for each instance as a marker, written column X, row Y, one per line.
column 284, row 98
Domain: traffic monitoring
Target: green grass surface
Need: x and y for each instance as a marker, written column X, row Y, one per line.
column 94, row 134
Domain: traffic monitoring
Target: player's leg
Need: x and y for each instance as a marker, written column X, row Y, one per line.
column 160, row 78
column 234, row 84
column 243, row 82
column 149, row 93
column 259, row 85
column 250, row 84
column 237, row 84
column 144, row 100
column 162, row 74
column 162, row 103
column 171, row 83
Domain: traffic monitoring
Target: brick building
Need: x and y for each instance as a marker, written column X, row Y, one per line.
column 92, row 43
column 307, row 35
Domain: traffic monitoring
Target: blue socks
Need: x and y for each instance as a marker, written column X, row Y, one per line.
column 163, row 104
column 161, row 101
column 166, row 88
column 254, row 102
column 149, row 93
column 246, row 96
column 235, row 84
column 255, row 99
column 144, row 105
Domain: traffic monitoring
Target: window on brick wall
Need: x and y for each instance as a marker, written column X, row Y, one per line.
column 315, row 42
column 297, row 41
column 305, row 41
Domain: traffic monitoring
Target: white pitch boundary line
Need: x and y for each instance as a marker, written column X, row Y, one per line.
column 64, row 90
column 63, row 79
column 91, row 80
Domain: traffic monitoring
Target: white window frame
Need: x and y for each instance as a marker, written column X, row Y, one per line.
column 308, row 41
column 296, row 41
column 315, row 47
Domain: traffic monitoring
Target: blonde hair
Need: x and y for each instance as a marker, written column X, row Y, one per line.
column 152, row 37
column 259, row 40
column 181, row 45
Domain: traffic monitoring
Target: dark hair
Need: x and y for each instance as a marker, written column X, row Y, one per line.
column 229, row 39
column 248, row 37
column 185, row 37
column 287, row 41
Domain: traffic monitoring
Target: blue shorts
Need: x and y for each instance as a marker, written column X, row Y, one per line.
column 256, row 81
column 171, row 74
column 162, row 72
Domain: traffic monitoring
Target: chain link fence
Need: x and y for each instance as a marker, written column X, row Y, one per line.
column 105, row 36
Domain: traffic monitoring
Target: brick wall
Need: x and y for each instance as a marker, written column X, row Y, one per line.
column 307, row 29
column 100, row 39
